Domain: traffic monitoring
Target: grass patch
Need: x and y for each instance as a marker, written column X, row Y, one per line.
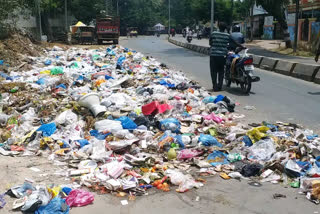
column 289, row 51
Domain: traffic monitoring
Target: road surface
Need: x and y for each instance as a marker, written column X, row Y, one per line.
column 276, row 97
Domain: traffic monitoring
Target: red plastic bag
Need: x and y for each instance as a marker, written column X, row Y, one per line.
column 155, row 108
column 79, row 198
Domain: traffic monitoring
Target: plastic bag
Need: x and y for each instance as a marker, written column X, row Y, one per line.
column 213, row 117
column 79, row 198
column 218, row 158
column 251, row 170
column 47, row 129
column 208, row 140
column 258, row 133
column 127, row 123
column 108, row 125
column 171, row 124
column 155, row 108
column 99, row 136
column 262, row 150
column 207, row 100
column 57, row 206
column 247, row 141
column 56, row 71
column 67, row 118
column 41, row 81
column 187, row 154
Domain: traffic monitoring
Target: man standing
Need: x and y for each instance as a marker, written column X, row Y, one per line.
column 219, row 42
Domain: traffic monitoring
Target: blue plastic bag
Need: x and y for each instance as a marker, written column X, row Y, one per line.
column 57, row 206
column 66, row 190
column 208, row 140
column 164, row 83
column 127, row 123
column 108, row 77
column 47, row 62
column 47, row 129
column 110, row 52
column 120, row 61
column 171, row 124
column 218, row 154
column 61, row 86
column 83, row 142
column 41, row 81
column 179, row 141
column 247, row 141
column 219, row 98
column 1, row 62
column 99, row 136
column 210, row 99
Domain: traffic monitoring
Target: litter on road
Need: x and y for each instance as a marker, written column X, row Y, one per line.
column 123, row 123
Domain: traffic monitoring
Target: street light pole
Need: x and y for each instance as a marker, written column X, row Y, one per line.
column 212, row 16
column 296, row 28
column 169, row 18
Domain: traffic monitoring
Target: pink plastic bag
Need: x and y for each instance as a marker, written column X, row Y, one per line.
column 79, row 198
column 187, row 154
column 213, row 117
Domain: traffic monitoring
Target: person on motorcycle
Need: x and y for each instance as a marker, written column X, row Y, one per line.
column 219, row 41
column 237, row 36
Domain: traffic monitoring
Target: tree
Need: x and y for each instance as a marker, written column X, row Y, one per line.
column 277, row 9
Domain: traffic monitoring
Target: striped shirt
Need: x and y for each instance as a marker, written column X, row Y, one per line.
column 218, row 43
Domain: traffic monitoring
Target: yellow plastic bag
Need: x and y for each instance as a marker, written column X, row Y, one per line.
column 256, row 134
column 45, row 72
column 54, row 191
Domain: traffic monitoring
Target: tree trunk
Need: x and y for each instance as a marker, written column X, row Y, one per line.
column 284, row 26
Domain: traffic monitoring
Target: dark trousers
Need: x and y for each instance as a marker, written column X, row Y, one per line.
column 217, row 71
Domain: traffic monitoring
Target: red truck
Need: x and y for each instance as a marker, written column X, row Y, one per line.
column 108, row 29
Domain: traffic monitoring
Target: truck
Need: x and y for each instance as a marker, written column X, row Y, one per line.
column 108, row 29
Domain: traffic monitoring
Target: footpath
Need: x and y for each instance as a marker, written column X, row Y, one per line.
column 298, row 67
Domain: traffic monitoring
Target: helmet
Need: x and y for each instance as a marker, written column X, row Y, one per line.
column 236, row 28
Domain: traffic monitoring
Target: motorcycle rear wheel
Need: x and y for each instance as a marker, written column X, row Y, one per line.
column 246, row 85
column 227, row 76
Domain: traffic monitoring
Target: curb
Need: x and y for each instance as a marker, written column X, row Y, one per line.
column 301, row 71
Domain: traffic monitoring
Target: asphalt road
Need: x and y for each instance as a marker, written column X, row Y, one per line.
column 276, row 97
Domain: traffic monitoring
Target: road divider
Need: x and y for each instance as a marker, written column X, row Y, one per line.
column 302, row 71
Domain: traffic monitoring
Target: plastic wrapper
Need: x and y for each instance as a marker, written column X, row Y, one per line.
column 108, row 125
column 258, row 133
column 79, row 198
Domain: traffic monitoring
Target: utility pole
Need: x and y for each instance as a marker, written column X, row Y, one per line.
column 117, row 7
column 212, row 16
column 66, row 14
column 295, row 45
column 107, row 7
column 39, row 14
column 169, row 18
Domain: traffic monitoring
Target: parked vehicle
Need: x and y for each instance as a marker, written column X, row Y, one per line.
column 108, row 29
column 239, row 69
column 82, row 34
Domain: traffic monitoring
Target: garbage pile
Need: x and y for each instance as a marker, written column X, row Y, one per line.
column 121, row 122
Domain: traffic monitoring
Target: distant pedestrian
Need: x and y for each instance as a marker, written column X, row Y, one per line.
column 318, row 50
column 218, row 50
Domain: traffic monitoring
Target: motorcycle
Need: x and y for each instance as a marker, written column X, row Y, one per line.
column 189, row 39
column 242, row 70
